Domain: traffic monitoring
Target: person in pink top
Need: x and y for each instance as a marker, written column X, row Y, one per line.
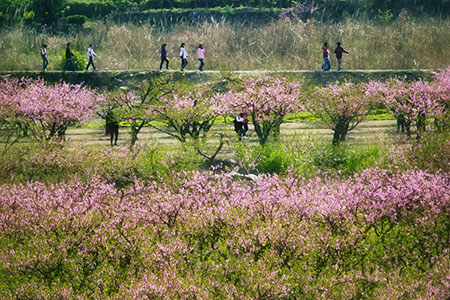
column 201, row 56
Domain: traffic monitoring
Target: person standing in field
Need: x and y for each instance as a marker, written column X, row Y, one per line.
column 112, row 127
column 44, row 57
column 339, row 51
column 164, row 57
column 183, row 57
column 201, row 57
column 91, row 54
column 69, row 60
column 326, row 57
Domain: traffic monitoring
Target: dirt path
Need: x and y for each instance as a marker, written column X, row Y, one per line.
column 365, row 133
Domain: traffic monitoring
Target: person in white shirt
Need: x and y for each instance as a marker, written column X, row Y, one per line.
column 91, row 54
column 183, row 56
column 44, row 57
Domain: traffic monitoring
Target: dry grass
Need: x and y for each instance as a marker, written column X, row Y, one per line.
column 403, row 44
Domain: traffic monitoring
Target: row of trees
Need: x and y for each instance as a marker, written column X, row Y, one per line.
column 48, row 12
column 45, row 111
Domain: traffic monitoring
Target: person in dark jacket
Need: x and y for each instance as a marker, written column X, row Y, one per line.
column 112, row 127
column 69, row 60
column 44, row 57
column 164, row 57
column 241, row 125
column 339, row 51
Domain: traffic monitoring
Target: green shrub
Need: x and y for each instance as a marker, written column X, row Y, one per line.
column 79, row 60
column 270, row 158
column 431, row 152
column 75, row 20
column 273, row 159
column 344, row 158
column 162, row 162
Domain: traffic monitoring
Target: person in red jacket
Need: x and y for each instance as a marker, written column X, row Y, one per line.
column 338, row 51
column 326, row 57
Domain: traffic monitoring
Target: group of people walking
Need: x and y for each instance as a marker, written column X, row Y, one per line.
column 183, row 57
column 69, row 63
column 339, row 50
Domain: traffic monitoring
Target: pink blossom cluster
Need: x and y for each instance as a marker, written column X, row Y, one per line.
column 48, row 109
column 340, row 102
column 413, row 101
column 200, row 235
column 191, row 106
column 265, row 98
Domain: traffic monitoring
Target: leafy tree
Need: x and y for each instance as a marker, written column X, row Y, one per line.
column 191, row 114
column 134, row 105
column 47, row 12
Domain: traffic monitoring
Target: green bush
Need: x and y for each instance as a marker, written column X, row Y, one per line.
column 162, row 162
column 431, row 152
column 270, row 158
column 279, row 159
column 344, row 158
column 79, row 60
column 273, row 159
column 75, row 20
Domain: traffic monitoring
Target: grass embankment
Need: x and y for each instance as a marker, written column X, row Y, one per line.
column 406, row 43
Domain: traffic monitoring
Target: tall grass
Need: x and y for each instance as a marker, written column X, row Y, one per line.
column 403, row 44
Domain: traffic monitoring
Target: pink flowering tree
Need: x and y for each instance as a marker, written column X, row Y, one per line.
column 410, row 102
column 442, row 78
column 340, row 106
column 47, row 110
column 132, row 106
column 267, row 100
column 12, row 123
column 190, row 114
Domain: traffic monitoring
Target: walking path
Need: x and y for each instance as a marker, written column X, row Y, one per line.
column 110, row 79
column 365, row 133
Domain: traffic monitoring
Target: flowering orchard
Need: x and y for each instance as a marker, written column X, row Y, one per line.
column 412, row 102
column 378, row 235
column 146, row 223
column 44, row 111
